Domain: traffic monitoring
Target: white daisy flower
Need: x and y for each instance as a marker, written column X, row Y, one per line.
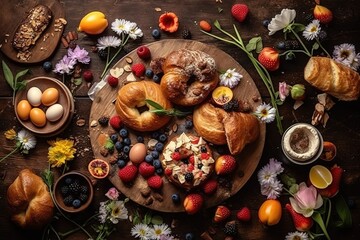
column 265, row 112
column 102, row 212
column 312, row 30
column 120, row 25
column 272, row 190
column 356, row 62
column 26, row 139
column 230, row 78
column 281, row 21
column 141, row 231
column 345, row 54
column 117, row 211
column 108, row 41
column 159, row 230
column 297, row 236
column 135, row 32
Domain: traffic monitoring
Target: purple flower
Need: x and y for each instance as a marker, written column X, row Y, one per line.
column 65, row 65
column 283, row 91
column 112, row 194
column 79, row 54
column 306, row 200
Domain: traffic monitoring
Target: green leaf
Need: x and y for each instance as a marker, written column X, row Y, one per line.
column 8, row 75
column 157, row 220
column 217, row 24
column 253, row 44
column 48, row 177
column 343, row 212
column 77, row 81
column 154, row 104
column 315, row 46
column 298, row 27
column 20, row 74
column 318, row 219
column 220, row 9
column 20, row 85
column 109, row 144
column 147, row 218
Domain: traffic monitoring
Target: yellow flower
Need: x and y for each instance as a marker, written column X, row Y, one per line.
column 60, row 151
column 10, row 134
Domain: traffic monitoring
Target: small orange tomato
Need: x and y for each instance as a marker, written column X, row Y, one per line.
column 93, row 23
column 270, row 212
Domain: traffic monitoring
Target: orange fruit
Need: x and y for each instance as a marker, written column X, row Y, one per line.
column 270, row 212
column 320, row 176
column 93, row 23
column 99, row 168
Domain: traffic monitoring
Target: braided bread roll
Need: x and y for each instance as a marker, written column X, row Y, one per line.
column 189, row 76
column 333, row 78
column 130, row 100
column 220, row 127
column 30, row 201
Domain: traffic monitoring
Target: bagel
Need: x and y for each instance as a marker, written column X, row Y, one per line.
column 219, row 127
column 189, row 77
column 134, row 111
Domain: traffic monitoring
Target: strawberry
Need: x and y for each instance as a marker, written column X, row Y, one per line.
column 244, row 214
column 115, row 122
column 225, row 164
column 193, row 203
column 155, row 182
column 112, row 81
column 221, row 214
column 269, row 58
column 205, row 26
column 138, row 69
column 176, row 156
column 128, row 173
column 146, row 170
column 143, row 52
column 87, row 76
column 323, row 14
column 301, row 223
column 333, row 188
column 210, row 186
column 168, row 171
column 239, row 11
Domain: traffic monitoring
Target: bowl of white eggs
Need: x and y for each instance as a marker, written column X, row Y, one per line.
column 45, row 107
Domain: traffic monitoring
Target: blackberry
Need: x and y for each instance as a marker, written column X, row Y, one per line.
column 123, row 156
column 103, row 54
column 76, row 203
column 189, row 177
column 230, row 228
column 84, row 189
column 65, row 190
column 188, row 124
column 203, row 149
column 83, row 197
column 291, row 44
column 185, row 160
column 322, row 35
column 200, row 165
column 74, row 187
column 103, row 121
column 232, row 105
column 68, row 200
column 186, row 34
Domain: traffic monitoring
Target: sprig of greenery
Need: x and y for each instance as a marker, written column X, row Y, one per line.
column 13, row 82
column 159, row 110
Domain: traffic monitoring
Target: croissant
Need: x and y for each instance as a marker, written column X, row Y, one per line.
column 333, row 78
column 30, row 201
column 134, row 111
column 220, row 127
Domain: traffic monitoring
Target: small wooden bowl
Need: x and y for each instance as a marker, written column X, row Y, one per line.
column 65, row 99
column 83, row 181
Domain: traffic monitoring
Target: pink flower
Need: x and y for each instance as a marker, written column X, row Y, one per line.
column 112, row 194
column 306, row 200
column 79, row 54
column 283, row 91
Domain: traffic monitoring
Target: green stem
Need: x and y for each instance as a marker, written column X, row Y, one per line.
column 286, row 52
column 302, row 44
column 54, row 231
column 65, row 234
column 317, row 40
column 317, row 218
column 329, row 213
column 9, row 154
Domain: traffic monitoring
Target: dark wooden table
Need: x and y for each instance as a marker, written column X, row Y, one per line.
column 343, row 128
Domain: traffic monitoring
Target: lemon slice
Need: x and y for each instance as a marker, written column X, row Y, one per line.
column 320, row 176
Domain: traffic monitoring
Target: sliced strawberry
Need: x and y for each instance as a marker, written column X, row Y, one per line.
column 269, row 58
column 193, row 203
column 333, row 188
column 221, row 214
column 301, row 222
column 225, row 164
column 323, row 14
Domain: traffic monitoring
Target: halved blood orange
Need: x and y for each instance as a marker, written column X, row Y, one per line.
column 99, row 168
column 222, row 95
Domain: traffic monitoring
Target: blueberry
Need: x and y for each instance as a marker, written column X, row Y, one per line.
column 76, row 203
column 175, row 198
column 156, row 33
column 189, row 176
column 159, row 146
column 118, row 146
column 203, row 149
column 280, row 45
column 68, row 180
column 140, row 139
column 155, row 135
column 149, row 73
column 265, row 23
column 188, row 124
column 127, row 141
column 149, row 158
column 156, row 78
column 157, row 163
column 126, row 149
column 159, row 171
column 162, row 138
column 114, row 138
column 121, row 163
column 155, row 154
column 200, row 165
column 123, row 132
column 189, row 236
column 47, row 66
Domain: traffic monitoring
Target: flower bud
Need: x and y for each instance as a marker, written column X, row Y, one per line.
column 298, row 92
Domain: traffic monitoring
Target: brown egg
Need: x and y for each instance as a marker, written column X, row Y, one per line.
column 23, row 109
column 50, row 96
column 37, row 117
column 137, row 153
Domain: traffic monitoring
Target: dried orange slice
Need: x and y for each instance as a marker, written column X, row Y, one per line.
column 222, row 95
column 99, row 168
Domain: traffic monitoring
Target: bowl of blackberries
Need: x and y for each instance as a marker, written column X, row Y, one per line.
column 73, row 192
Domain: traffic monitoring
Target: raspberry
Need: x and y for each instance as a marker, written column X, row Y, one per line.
column 87, row 76
column 115, row 122
column 204, row 156
column 191, row 159
column 138, row 69
column 143, row 52
column 176, row 156
column 155, row 182
column 190, row 167
column 186, row 34
column 168, row 171
column 112, row 81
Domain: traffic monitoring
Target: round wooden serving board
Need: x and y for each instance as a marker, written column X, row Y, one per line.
column 248, row 159
column 16, row 11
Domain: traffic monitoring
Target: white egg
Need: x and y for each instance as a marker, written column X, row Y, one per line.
column 54, row 112
column 34, row 96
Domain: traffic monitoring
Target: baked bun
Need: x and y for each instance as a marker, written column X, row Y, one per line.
column 30, row 201
column 189, row 76
column 134, row 111
column 219, row 127
column 333, row 78
column 187, row 160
